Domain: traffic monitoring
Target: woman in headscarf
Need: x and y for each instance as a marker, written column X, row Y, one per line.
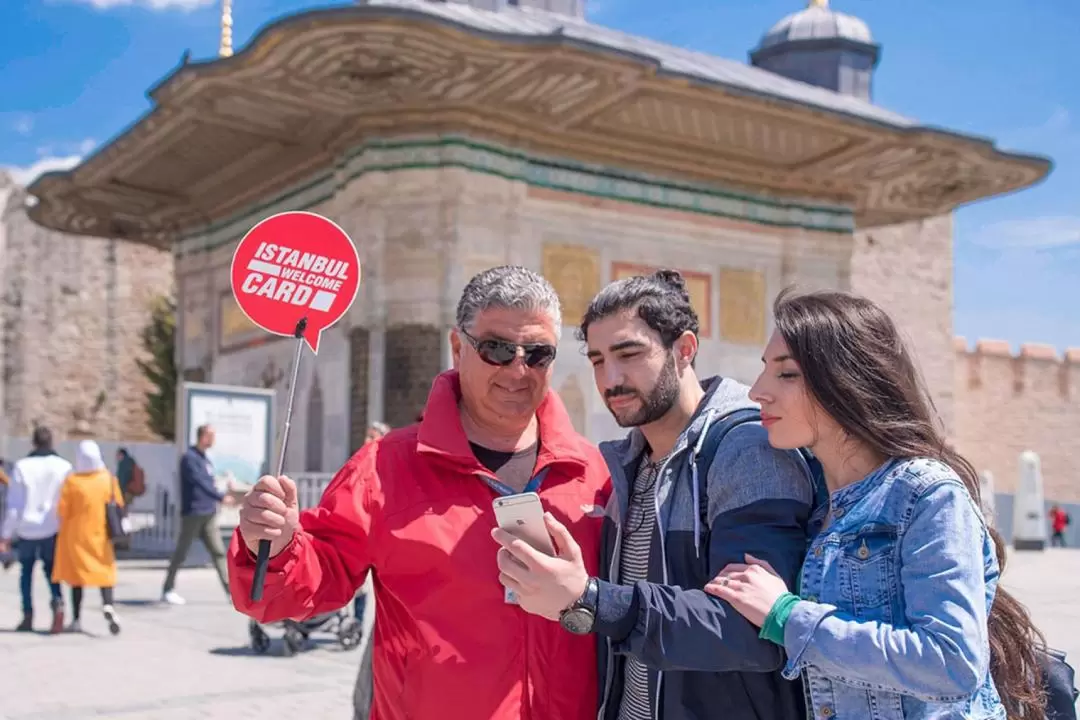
column 84, row 552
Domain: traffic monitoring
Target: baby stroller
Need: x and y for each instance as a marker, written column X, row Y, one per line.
column 342, row 623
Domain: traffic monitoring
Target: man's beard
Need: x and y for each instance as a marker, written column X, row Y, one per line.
column 656, row 404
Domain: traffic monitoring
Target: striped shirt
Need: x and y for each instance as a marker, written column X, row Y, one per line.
column 633, row 567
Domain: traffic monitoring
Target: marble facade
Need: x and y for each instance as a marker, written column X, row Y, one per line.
column 423, row 232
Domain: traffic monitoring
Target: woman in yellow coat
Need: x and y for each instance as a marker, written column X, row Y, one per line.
column 84, row 552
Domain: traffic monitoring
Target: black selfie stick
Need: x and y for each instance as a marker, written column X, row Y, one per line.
column 263, row 558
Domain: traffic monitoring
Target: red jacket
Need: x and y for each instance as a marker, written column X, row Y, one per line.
column 1059, row 520
column 411, row 508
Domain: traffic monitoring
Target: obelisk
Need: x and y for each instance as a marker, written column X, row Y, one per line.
column 1029, row 511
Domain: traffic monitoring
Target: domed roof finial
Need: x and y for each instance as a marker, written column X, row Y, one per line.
column 226, row 47
column 823, row 47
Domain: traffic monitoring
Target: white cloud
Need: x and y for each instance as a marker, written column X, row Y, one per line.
column 57, row 156
column 151, row 4
column 1039, row 233
column 27, row 174
column 24, row 124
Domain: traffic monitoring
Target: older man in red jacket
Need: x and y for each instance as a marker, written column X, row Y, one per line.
column 415, row 508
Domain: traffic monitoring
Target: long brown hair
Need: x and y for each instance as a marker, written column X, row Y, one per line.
column 858, row 369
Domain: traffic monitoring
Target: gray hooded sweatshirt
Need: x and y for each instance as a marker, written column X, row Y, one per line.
column 722, row 492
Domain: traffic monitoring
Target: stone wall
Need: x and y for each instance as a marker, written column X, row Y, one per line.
column 908, row 270
column 733, row 270
column 73, row 310
column 1007, row 403
column 423, row 232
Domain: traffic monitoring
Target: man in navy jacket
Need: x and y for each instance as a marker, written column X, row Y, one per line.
column 696, row 486
column 199, row 500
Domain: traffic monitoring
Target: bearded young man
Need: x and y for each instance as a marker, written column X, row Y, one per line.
column 696, row 486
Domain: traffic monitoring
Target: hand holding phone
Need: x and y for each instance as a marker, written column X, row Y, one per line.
column 522, row 516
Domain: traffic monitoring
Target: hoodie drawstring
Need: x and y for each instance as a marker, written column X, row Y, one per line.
column 694, row 481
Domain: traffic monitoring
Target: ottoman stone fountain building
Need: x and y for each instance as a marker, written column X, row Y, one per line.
column 447, row 137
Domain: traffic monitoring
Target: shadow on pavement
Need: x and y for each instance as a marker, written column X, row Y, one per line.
column 240, row 652
column 137, row 603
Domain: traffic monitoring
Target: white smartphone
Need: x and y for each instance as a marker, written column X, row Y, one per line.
column 522, row 516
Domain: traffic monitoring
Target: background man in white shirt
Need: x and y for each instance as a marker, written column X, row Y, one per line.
column 31, row 519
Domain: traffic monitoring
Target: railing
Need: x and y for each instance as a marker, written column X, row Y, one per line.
column 154, row 531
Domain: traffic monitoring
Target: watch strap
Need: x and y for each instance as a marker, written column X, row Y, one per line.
column 590, row 597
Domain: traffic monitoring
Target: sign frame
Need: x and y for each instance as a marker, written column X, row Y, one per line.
column 188, row 392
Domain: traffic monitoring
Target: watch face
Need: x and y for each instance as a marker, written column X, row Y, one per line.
column 578, row 621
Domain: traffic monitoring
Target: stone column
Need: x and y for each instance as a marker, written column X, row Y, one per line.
column 354, row 209
column 452, row 282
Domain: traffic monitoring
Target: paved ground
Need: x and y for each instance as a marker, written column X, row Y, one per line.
column 168, row 663
column 182, row 663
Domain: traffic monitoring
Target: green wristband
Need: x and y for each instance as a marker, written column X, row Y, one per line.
column 773, row 628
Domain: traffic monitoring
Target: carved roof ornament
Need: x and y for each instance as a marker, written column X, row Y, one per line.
column 229, row 134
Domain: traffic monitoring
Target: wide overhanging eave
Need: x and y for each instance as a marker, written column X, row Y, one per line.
column 98, row 198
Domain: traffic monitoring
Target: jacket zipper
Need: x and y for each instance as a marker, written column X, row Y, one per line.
column 613, row 575
column 526, row 702
column 663, row 561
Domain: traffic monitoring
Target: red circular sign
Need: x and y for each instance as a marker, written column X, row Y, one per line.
column 295, row 265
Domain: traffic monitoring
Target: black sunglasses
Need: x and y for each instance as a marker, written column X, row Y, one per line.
column 501, row 352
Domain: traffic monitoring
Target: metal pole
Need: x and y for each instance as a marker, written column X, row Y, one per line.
column 263, row 559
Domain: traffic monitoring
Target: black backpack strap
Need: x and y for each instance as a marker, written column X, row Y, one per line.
column 1059, row 679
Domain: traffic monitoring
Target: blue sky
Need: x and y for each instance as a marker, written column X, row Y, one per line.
column 73, row 73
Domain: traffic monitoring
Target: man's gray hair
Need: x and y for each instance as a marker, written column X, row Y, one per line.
column 509, row 287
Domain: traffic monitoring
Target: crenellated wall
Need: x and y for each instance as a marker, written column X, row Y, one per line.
column 1007, row 402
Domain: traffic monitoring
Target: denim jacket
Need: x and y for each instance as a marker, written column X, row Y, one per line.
column 896, row 593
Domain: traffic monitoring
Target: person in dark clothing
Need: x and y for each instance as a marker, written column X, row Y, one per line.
column 125, row 469
column 199, row 500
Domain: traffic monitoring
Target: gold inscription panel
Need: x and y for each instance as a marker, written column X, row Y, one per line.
column 742, row 306
column 235, row 330
column 574, row 272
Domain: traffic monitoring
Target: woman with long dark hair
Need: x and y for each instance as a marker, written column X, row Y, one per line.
column 898, row 613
